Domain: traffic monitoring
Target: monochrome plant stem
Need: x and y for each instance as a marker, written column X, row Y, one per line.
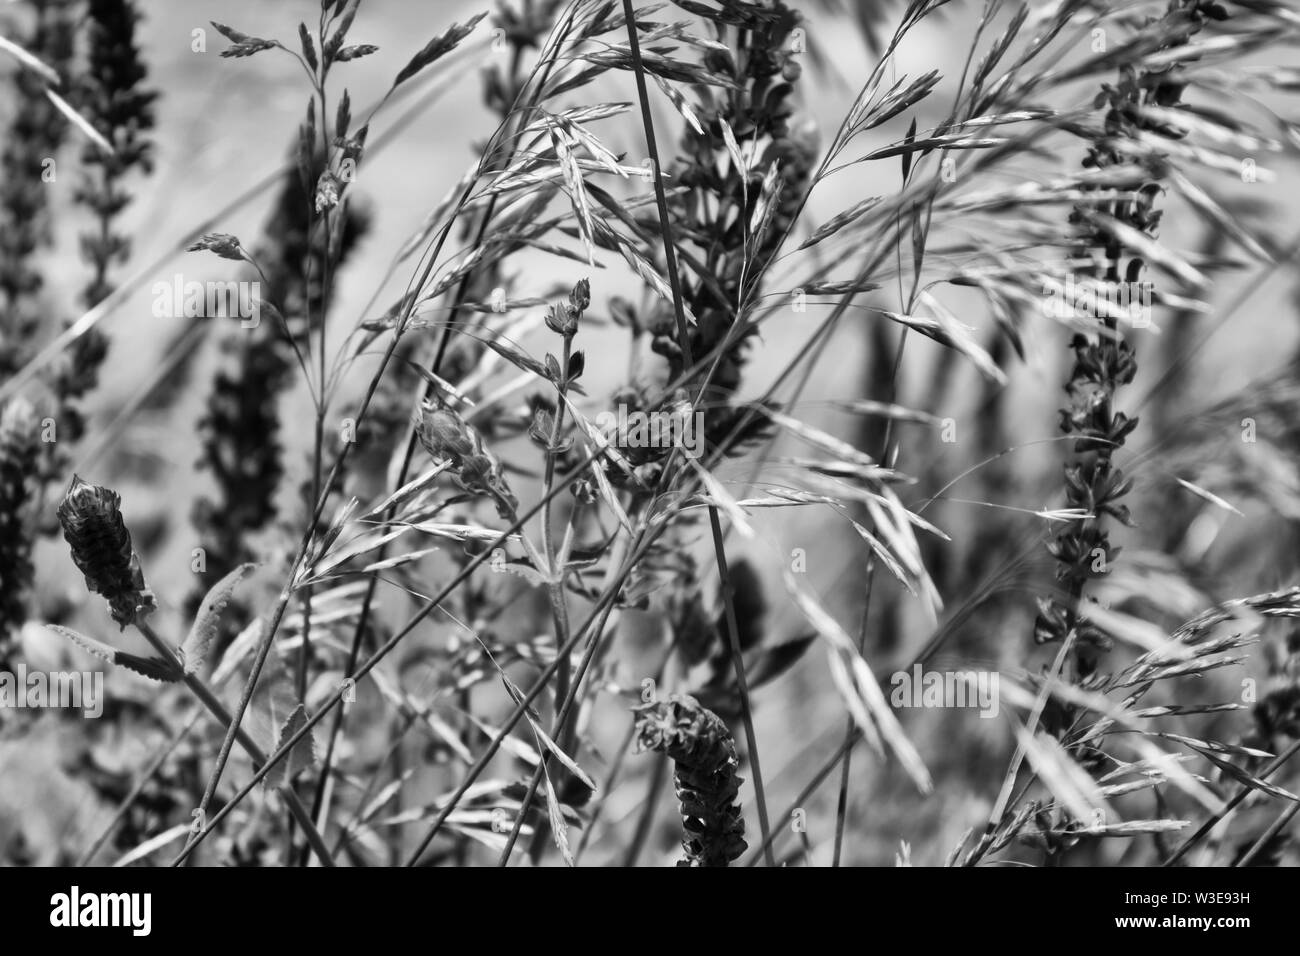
column 218, row 710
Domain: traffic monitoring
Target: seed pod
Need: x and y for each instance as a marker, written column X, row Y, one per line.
column 101, row 547
column 704, row 753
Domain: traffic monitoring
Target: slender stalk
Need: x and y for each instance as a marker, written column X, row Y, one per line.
column 286, row 593
column 388, row 646
column 1270, row 834
column 596, row 624
column 137, row 789
column 554, row 574
column 642, row 542
column 1204, row 829
column 222, row 716
column 512, row 119
column 653, row 794
column 842, row 802
column 738, row 661
column 684, row 342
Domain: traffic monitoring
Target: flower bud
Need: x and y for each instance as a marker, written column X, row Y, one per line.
column 580, row 297
column 562, row 319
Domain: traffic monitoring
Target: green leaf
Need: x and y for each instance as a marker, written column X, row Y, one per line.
column 208, row 618
column 302, row 756
column 155, row 668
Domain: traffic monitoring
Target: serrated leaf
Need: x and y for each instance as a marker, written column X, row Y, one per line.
column 154, row 668
column 91, row 646
column 208, row 618
column 302, row 756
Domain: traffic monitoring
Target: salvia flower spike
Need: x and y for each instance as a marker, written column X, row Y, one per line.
column 92, row 523
column 704, row 755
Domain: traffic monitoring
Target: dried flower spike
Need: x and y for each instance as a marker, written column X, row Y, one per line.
column 706, row 763
column 101, row 547
column 1103, row 361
